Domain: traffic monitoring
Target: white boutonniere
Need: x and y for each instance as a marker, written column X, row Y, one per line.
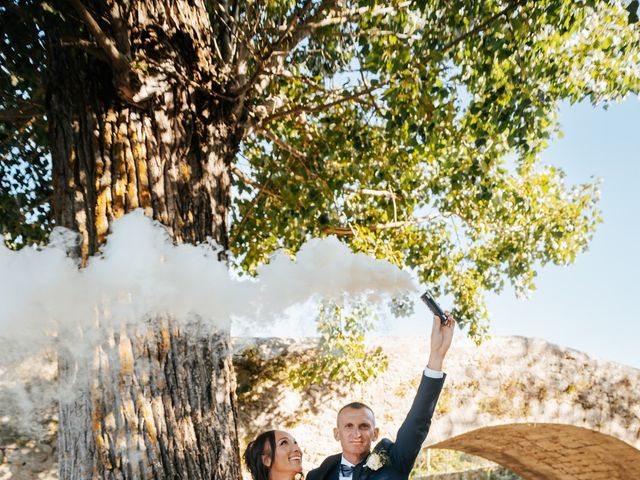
column 377, row 460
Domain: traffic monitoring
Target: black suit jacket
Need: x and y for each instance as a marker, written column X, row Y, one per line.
column 403, row 452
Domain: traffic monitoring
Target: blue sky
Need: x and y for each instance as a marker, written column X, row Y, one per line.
column 594, row 304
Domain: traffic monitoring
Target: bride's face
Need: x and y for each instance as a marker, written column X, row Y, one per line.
column 288, row 458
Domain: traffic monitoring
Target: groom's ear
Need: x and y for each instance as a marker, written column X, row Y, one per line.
column 336, row 432
column 376, row 432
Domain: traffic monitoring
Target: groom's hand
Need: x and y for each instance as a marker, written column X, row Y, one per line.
column 441, row 336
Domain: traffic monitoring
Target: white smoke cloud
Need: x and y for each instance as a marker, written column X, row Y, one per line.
column 48, row 303
column 140, row 272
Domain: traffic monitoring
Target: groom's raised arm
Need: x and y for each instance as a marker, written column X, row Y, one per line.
column 414, row 429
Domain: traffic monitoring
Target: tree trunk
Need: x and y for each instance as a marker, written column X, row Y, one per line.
column 156, row 404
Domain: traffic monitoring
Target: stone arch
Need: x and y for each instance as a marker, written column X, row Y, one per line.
column 550, row 451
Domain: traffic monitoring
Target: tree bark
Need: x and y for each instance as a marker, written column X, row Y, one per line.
column 167, row 151
column 146, row 131
column 153, row 405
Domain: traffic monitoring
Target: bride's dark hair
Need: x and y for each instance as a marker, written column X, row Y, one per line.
column 255, row 451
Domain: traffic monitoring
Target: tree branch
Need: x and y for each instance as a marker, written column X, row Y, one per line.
column 479, row 28
column 354, row 14
column 349, row 231
column 121, row 33
column 9, row 116
column 319, row 107
column 290, row 37
column 287, row 148
column 262, row 60
column 302, row 159
column 391, row 33
column 90, row 47
column 373, row 193
column 118, row 60
column 371, row 97
column 224, row 46
column 244, row 178
column 250, row 211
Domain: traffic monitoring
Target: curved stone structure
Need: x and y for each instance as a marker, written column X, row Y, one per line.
column 524, row 380
column 551, row 451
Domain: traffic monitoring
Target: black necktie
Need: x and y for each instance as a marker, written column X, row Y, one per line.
column 346, row 470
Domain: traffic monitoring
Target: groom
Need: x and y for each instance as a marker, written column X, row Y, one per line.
column 356, row 427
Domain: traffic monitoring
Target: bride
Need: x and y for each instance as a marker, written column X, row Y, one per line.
column 274, row 455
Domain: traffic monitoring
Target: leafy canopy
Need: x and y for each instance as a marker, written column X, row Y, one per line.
column 434, row 163
column 412, row 130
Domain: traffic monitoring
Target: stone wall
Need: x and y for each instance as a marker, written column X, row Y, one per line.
column 28, row 424
column 490, row 473
column 504, row 381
